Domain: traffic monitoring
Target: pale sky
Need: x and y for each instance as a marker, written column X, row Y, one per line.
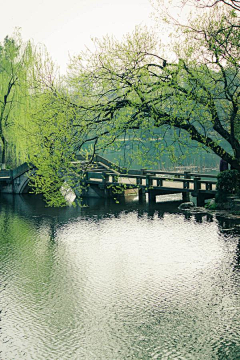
column 65, row 27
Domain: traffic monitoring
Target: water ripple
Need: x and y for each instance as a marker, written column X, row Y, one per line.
column 116, row 288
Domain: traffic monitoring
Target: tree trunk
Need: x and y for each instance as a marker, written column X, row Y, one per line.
column 3, row 167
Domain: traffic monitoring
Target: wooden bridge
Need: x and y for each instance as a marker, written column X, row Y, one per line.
column 103, row 179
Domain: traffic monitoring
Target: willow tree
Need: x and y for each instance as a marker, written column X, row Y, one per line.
column 129, row 86
column 50, row 149
column 234, row 4
column 130, row 89
column 50, row 136
column 16, row 59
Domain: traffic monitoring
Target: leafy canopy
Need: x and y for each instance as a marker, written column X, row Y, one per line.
column 130, row 88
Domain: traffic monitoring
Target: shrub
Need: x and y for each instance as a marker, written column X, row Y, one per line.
column 228, row 184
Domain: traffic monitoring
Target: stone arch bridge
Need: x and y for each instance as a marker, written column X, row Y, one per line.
column 15, row 181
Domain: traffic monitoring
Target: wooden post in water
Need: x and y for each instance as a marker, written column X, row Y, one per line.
column 105, row 190
column 197, row 187
column 200, row 200
column 151, row 196
column 186, row 194
column 141, row 190
column 151, row 192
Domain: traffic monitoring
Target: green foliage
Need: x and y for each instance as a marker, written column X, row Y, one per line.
column 127, row 90
column 49, row 147
column 127, row 95
column 228, row 183
column 211, row 206
column 16, row 62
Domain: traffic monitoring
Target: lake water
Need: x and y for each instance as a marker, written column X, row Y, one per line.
column 115, row 282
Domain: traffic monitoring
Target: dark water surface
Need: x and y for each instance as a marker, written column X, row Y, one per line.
column 116, row 282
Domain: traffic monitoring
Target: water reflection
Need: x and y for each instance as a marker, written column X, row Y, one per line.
column 116, row 281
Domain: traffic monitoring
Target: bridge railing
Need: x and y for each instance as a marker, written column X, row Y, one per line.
column 19, row 170
column 156, row 180
column 109, row 165
column 5, row 175
column 172, row 173
column 114, row 175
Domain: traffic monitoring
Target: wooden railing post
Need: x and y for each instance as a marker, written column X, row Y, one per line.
column 114, row 178
column 139, row 181
column 197, row 184
column 186, row 176
column 148, row 181
column 105, row 178
column 208, row 186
